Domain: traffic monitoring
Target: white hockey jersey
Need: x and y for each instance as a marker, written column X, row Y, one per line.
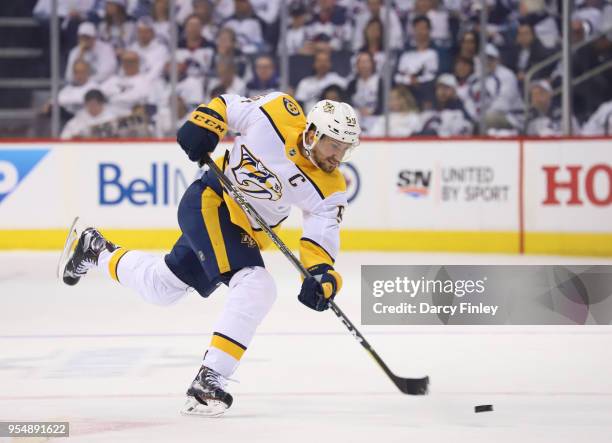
column 266, row 164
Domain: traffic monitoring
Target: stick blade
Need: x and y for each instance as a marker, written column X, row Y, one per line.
column 412, row 386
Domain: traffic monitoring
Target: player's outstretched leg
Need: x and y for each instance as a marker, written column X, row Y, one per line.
column 207, row 396
column 85, row 254
column 147, row 274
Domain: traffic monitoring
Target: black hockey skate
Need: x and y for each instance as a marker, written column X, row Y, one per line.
column 77, row 260
column 207, row 396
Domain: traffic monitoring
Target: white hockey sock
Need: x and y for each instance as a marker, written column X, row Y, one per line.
column 251, row 294
column 145, row 273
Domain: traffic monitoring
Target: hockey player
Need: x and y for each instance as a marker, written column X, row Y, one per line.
column 280, row 159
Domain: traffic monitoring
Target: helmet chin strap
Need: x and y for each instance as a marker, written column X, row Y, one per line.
column 308, row 149
column 312, row 160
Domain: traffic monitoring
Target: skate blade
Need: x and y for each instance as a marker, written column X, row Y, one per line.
column 71, row 241
column 214, row 408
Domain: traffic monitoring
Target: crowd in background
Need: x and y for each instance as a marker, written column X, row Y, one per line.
column 117, row 62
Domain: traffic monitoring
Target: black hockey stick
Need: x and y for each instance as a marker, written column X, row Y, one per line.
column 412, row 386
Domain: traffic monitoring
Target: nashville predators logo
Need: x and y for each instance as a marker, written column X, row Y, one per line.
column 246, row 239
column 329, row 107
column 255, row 179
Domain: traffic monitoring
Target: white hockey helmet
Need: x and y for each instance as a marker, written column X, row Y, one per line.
column 337, row 120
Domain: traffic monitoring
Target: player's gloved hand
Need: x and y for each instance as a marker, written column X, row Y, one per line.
column 201, row 133
column 320, row 288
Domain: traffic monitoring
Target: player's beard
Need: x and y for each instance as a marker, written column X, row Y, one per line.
column 327, row 164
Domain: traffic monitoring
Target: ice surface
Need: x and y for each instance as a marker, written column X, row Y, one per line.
column 117, row 368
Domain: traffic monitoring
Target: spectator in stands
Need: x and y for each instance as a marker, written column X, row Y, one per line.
column 418, row 67
column 115, row 27
column 132, row 8
column 500, row 14
column 296, row 33
column 333, row 92
column 438, row 20
column 191, row 89
column 152, row 53
column 579, row 31
column 98, row 54
column 193, row 51
column 226, row 48
column 203, row 9
column 139, row 8
column 469, row 47
column 544, row 117
column 247, row 27
column 463, row 71
column 600, row 122
column 373, row 43
column 533, row 12
column 403, row 8
column 161, row 20
column 502, row 93
column 66, row 9
column 529, row 52
column 224, row 9
column 404, row 118
column 330, row 27
column 376, row 10
column 95, row 112
column 130, row 88
column 71, row 14
column 366, row 89
column 309, row 89
column 589, row 94
column 265, row 78
column 448, row 117
column 182, row 10
column 71, row 97
column 226, row 81
column 206, row 10
column 589, row 13
column 268, row 11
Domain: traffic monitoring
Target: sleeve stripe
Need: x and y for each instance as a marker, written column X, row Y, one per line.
column 311, row 182
column 113, row 264
column 226, row 344
column 273, row 125
column 217, row 105
column 305, row 239
column 240, row 345
column 223, row 100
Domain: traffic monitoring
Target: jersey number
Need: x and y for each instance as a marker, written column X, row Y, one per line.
column 340, row 214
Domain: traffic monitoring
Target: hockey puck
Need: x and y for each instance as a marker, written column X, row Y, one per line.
column 483, row 408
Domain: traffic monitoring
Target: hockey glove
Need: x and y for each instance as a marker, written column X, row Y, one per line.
column 201, row 133
column 321, row 287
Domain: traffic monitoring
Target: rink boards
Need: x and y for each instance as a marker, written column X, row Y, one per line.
column 476, row 195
